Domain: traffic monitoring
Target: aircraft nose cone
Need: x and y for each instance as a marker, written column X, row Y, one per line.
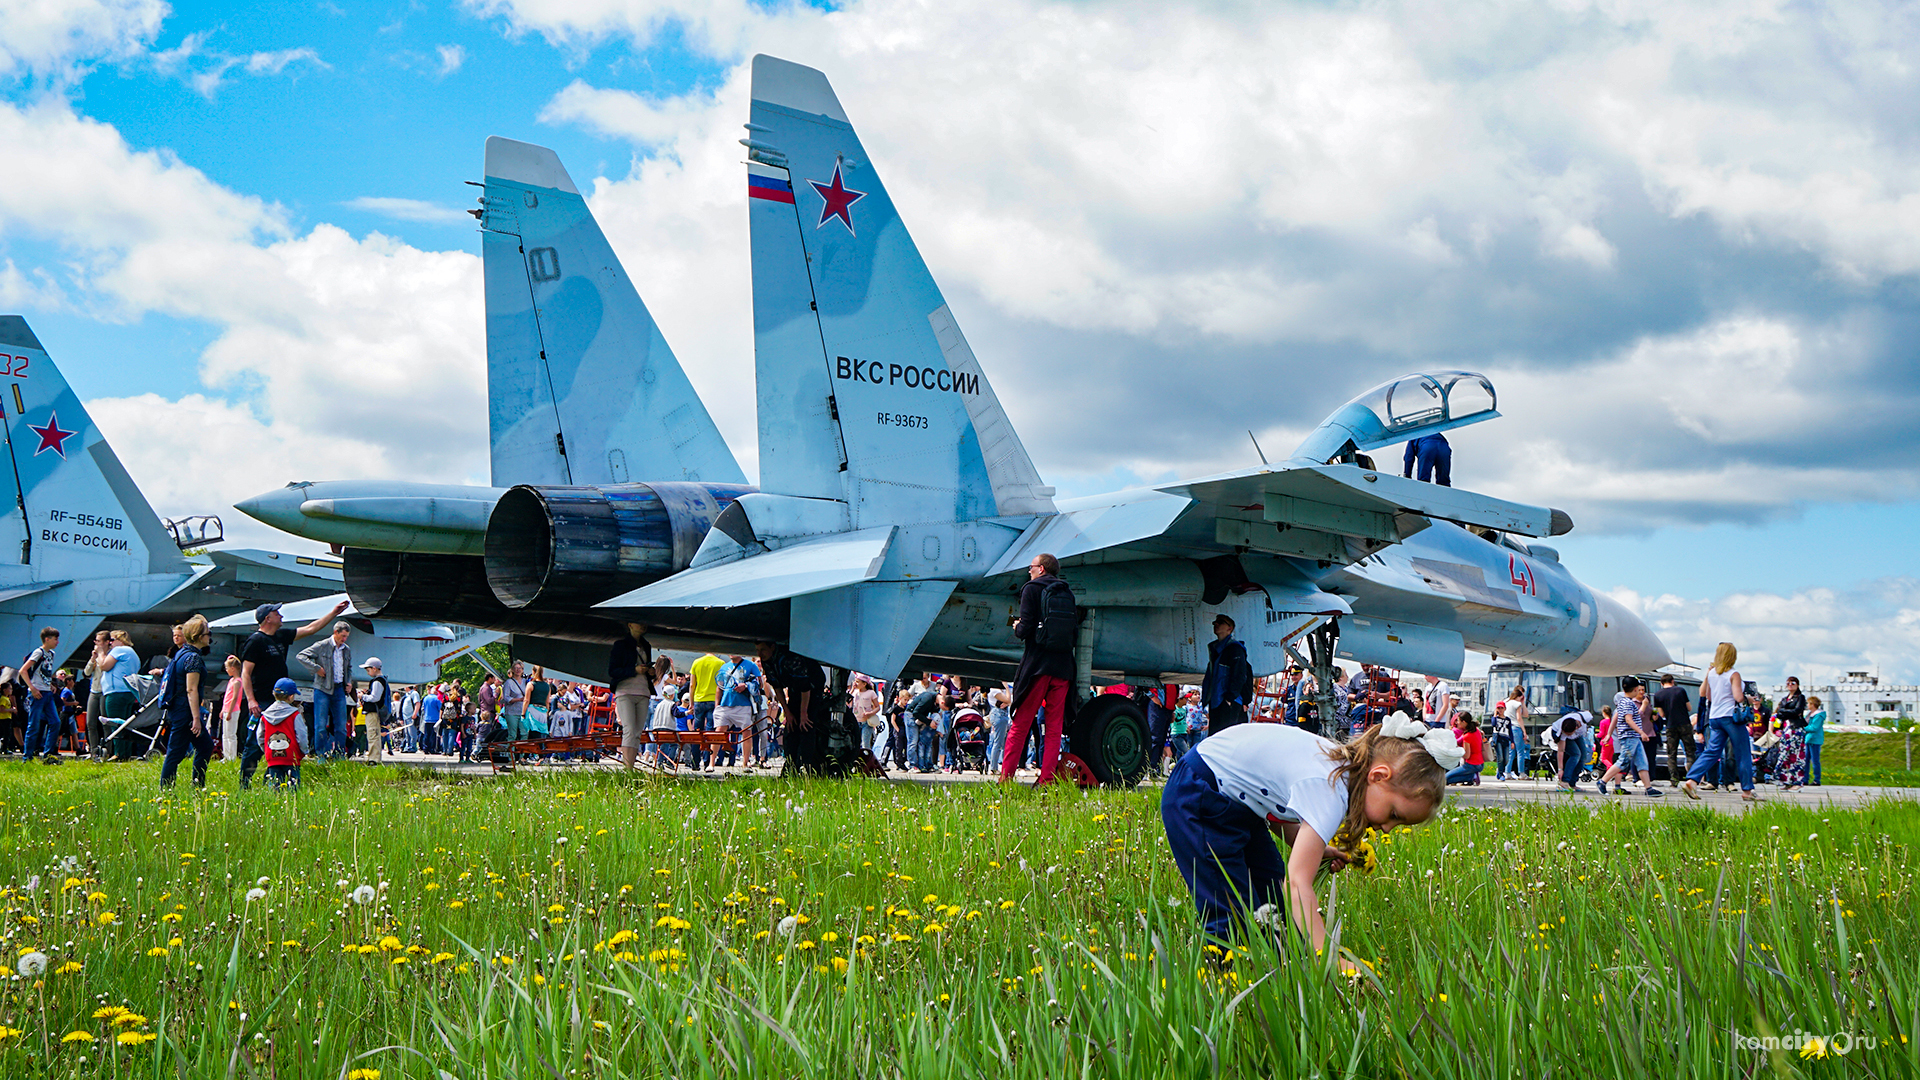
column 279, row 508
column 1622, row 644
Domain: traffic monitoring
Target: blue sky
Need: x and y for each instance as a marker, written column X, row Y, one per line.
column 1683, row 243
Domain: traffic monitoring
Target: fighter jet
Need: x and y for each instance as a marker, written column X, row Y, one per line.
column 83, row 547
column 897, row 508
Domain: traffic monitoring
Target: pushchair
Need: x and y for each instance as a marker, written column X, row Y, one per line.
column 970, row 740
column 145, row 724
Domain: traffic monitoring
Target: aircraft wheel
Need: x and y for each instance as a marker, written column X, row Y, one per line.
column 1111, row 736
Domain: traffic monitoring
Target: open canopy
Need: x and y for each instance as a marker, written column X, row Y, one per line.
column 1406, row 408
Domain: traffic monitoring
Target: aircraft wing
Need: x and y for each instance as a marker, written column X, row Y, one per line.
column 1348, row 500
column 809, row 567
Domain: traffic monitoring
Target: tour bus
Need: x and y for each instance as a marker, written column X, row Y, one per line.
column 1549, row 691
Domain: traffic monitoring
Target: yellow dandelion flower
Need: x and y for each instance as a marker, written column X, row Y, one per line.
column 172, row 942
column 442, row 957
column 106, row 918
column 108, row 1012
column 77, row 1036
column 129, row 1019
column 67, row 968
column 363, row 1074
column 390, row 943
column 9, row 1033
column 156, row 951
column 135, row 1038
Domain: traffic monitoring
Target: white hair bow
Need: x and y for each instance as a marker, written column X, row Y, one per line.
column 1437, row 742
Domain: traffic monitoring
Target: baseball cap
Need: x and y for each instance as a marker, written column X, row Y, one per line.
column 260, row 613
column 286, row 686
column 371, row 663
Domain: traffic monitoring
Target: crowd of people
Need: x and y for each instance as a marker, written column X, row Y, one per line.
column 774, row 706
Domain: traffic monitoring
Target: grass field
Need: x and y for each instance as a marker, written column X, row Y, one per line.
column 592, row 925
column 1876, row 760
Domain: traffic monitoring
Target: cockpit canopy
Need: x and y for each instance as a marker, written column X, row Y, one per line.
column 1406, row 408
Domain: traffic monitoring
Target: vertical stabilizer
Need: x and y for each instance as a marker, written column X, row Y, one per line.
column 71, row 509
column 581, row 387
column 862, row 372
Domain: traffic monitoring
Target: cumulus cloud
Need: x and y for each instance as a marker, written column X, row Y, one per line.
column 1677, row 236
column 357, row 356
column 53, row 40
column 1817, row 634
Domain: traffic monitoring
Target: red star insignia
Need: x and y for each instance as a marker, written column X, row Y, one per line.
column 52, row 437
column 838, row 198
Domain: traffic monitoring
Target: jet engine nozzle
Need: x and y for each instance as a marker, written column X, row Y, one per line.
column 576, row 546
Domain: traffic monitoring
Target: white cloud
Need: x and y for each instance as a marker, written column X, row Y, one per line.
column 51, row 40
column 361, row 357
column 410, row 210
column 576, row 25
column 1816, row 633
column 205, row 70
column 35, row 289
column 1300, row 201
column 451, row 57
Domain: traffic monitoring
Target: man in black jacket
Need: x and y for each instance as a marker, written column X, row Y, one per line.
column 1044, row 677
column 1228, row 688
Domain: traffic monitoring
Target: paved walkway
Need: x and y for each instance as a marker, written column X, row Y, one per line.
column 1486, row 793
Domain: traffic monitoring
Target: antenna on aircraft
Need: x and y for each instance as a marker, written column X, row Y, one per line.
column 1256, row 447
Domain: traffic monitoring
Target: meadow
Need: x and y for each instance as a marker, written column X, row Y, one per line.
column 390, row 923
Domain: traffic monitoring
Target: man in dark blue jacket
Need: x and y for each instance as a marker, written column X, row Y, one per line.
column 1435, row 457
column 1228, row 687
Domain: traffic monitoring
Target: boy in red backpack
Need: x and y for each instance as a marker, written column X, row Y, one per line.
column 283, row 737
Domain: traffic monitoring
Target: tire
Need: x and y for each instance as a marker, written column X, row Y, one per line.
column 1110, row 735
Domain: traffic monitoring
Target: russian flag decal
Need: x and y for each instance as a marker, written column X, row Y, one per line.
column 767, row 187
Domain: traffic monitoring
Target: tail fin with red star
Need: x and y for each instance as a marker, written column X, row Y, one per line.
column 70, row 510
column 868, row 393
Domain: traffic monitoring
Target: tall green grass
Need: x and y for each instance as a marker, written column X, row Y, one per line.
column 595, row 925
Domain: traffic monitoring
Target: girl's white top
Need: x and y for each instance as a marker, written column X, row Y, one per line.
column 1279, row 772
column 1720, row 701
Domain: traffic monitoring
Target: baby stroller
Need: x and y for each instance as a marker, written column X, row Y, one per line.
column 970, row 740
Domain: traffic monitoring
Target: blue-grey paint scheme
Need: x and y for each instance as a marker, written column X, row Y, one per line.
column 581, row 387
column 898, row 509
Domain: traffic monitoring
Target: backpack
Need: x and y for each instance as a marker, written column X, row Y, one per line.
column 1059, row 618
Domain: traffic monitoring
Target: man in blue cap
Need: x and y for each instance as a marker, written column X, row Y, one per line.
column 263, row 662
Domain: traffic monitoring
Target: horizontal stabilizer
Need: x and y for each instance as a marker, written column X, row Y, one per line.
column 826, row 563
column 1092, row 528
column 19, row 591
column 1351, row 501
column 872, row 628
